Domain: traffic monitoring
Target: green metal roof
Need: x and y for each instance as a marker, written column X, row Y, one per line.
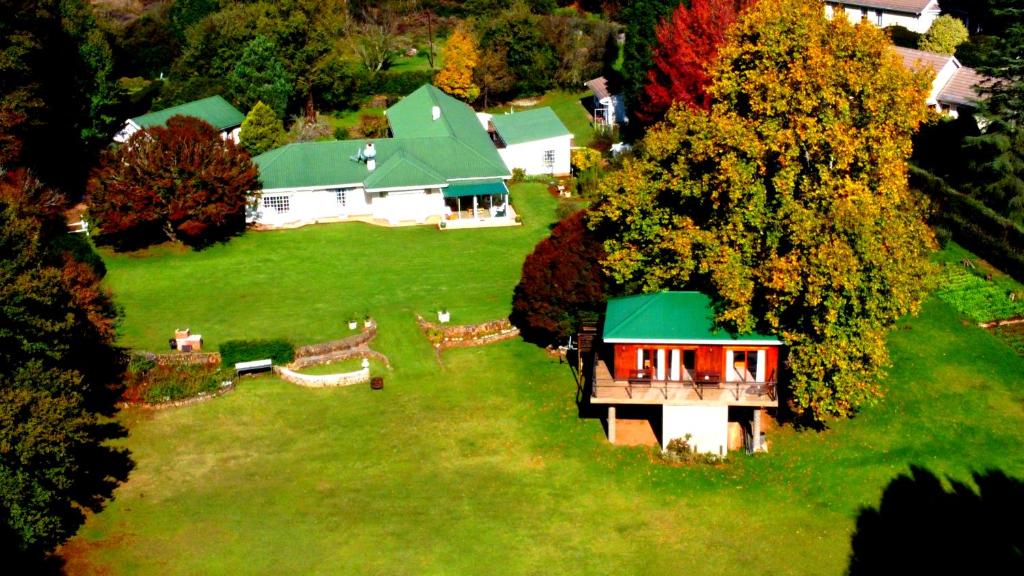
column 475, row 188
column 214, row 110
column 423, row 152
column 529, row 125
column 667, row 318
column 402, row 171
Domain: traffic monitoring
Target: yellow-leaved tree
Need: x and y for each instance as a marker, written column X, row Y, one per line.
column 460, row 59
column 787, row 201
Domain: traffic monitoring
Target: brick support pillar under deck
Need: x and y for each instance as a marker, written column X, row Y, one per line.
column 611, row 424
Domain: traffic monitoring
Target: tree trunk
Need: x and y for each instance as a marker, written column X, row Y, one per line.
column 430, row 40
column 310, row 108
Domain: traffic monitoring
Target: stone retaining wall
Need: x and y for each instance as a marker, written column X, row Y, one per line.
column 323, row 381
column 338, row 356
column 348, row 343
column 184, row 358
column 465, row 335
column 203, row 397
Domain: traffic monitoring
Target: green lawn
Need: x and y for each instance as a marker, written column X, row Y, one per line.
column 304, row 284
column 478, row 462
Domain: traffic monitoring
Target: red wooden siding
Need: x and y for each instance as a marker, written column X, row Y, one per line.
column 710, row 358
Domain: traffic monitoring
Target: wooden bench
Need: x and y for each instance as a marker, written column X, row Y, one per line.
column 253, row 366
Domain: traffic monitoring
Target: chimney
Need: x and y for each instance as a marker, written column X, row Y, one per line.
column 370, row 154
column 436, row 112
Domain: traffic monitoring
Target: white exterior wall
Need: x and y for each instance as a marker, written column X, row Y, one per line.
column 708, row 427
column 407, row 205
column 311, row 205
column 530, row 156
column 941, row 79
column 883, row 18
column 130, row 128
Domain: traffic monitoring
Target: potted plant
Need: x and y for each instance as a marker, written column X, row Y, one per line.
column 443, row 316
column 352, row 324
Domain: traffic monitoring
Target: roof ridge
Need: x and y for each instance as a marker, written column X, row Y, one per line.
column 442, row 116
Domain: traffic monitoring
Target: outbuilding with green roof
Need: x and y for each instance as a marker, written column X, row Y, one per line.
column 215, row 111
column 664, row 354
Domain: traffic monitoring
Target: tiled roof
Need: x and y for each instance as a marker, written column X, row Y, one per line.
column 919, row 59
column 599, row 86
column 960, row 89
column 424, row 151
column 906, row 6
column 668, row 317
column 529, row 125
column 214, row 110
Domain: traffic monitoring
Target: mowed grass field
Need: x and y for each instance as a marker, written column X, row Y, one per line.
column 478, row 461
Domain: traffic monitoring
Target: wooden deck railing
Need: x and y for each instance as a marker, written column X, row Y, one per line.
column 643, row 384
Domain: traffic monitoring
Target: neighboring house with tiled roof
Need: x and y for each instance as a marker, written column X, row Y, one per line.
column 215, row 111
column 440, row 166
column 609, row 108
column 953, row 86
column 914, row 15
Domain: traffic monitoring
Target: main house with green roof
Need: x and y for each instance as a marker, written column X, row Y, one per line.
column 442, row 165
column 663, row 361
column 215, row 111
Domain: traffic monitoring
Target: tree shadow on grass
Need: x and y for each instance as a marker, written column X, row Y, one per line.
column 920, row 527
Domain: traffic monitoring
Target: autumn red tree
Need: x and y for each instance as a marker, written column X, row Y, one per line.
column 687, row 44
column 562, row 282
column 180, row 182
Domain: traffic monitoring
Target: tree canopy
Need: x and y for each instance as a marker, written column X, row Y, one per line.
column 261, row 130
column 641, row 18
column 787, row 201
column 58, row 369
column 260, row 76
column 945, row 34
column 687, row 45
column 180, row 182
column 460, row 60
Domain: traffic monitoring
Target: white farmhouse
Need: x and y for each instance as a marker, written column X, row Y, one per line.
column 914, row 15
column 439, row 167
column 215, row 111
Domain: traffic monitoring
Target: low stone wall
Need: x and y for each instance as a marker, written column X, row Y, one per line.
column 338, row 356
column 348, row 343
column 465, row 335
column 185, row 358
column 323, row 381
column 203, row 397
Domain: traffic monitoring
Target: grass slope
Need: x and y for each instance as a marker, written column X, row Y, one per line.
column 484, row 463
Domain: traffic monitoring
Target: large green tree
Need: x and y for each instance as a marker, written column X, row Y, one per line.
column 788, row 200
column 260, row 76
column 996, row 172
column 57, row 368
column 641, row 18
column 56, row 91
column 261, row 130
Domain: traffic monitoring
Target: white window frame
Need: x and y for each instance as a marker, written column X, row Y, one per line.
column 549, row 158
column 280, row 203
column 341, row 197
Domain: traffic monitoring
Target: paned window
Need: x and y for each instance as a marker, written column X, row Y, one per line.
column 342, row 197
column 279, row 204
column 549, row 157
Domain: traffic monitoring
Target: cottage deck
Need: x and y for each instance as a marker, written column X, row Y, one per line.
column 608, row 390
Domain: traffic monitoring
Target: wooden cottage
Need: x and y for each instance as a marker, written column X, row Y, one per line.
column 663, row 349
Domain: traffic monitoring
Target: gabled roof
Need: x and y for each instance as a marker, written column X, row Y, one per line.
column 921, row 60
column 599, row 86
column 401, row 170
column 961, row 88
column 529, row 125
column 905, row 6
column 669, row 318
column 215, row 111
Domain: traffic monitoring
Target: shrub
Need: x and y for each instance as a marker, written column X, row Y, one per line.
column 278, row 350
column 518, row 175
column 370, row 126
column 170, row 383
column 680, row 451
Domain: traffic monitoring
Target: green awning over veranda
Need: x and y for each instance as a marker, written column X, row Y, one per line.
column 475, row 188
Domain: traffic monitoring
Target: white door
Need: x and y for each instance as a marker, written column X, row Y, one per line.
column 661, row 365
column 674, row 366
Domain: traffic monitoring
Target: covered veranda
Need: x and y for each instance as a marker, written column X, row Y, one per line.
column 477, row 203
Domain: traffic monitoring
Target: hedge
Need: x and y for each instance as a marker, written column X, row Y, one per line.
column 234, row 351
column 974, row 225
